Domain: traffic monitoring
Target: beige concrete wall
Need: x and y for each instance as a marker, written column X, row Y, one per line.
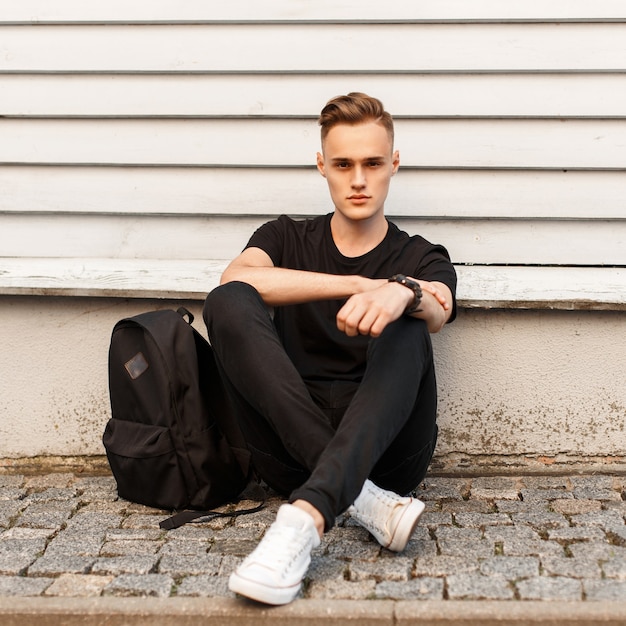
column 536, row 387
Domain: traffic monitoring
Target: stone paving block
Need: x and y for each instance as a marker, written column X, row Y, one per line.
column 352, row 548
column 56, row 564
column 577, row 533
column 495, row 488
column 541, row 520
column 465, row 506
column 463, row 542
column 128, row 547
column 129, row 585
column 474, row 586
column 19, row 532
column 234, row 547
column 547, row 482
column 9, row 511
column 53, row 480
column 595, row 488
column 617, row 535
column 605, row 590
column 204, row 586
column 531, row 547
column 571, row 567
column 341, row 590
column 12, row 480
column 179, row 566
column 548, row 588
column 519, row 506
column 90, row 523
column 133, row 534
column 140, row 520
column 543, row 495
column 510, row 567
column 479, row 520
column 230, row 563
column 23, row 587
column 52, row 494
column 575, row 507
column 191, row 532
column 44, row 516
column 103, row 506
column 521, row 541
column 251, row 533
column 12, row 493
column 397, row 569
column 184, row 548
column 118, row 565
column 414, row 589
column 444, row 565
column 324, row 568
column 76, row 544
column 615, row 568
column 17, row 554
column 419, row 547
column 432, row 519
column 606, row 519
column 597, row 550
column 443, row 489
column 78, row 586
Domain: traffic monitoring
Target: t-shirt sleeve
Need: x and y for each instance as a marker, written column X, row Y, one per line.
column 270, row 237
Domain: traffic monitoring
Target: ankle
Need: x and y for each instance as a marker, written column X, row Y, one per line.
column 318, row 518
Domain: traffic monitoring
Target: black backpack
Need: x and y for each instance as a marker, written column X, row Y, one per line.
column 172, row 441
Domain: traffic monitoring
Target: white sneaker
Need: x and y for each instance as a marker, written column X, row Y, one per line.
column 273, row 572
column 388, row 516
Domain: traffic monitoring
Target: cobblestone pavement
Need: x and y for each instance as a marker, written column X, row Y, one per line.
column 486, row 538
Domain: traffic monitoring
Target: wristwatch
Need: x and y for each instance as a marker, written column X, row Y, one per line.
column 414, row 287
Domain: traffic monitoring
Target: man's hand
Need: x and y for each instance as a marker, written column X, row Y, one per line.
column 369, row 312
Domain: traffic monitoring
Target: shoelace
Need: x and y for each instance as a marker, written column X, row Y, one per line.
column 281, row 544
column 370, row 512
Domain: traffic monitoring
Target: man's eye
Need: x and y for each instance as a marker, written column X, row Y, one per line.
column 374, row 163
column 343, row 166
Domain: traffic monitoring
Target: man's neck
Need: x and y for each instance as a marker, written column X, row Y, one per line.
column 355, row 238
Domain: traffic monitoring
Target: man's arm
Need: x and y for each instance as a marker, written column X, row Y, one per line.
column 371, row 305
column 278, row 286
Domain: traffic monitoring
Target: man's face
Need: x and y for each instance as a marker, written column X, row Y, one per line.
column 358, row 162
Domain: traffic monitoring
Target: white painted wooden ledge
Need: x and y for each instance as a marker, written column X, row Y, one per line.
column 509, row 287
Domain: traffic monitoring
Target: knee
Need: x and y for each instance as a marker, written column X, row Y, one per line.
column 405, row 334
column 227, row 304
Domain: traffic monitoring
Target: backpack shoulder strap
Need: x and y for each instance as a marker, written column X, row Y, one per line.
column 253, row 491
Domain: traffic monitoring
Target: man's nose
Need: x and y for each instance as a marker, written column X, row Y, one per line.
column 358, row 177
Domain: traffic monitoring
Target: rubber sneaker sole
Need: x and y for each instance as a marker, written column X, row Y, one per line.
column 262, row 593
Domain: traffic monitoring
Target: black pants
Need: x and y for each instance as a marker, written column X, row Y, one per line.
column 321, row 442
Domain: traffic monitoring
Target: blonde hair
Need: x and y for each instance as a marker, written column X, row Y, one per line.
column 354, row 108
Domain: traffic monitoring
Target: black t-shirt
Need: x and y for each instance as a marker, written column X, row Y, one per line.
column 309, row 331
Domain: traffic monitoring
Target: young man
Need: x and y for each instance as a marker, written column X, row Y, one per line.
column 335, row 393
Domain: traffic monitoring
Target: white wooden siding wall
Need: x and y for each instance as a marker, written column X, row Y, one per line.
column 141, row 143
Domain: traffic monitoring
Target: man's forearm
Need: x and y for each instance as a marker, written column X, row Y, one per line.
column 278, row 286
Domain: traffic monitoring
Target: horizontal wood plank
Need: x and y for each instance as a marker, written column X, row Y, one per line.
column 303, row 95
column 426, row 193
column 314, row 48
column 114, row 11
column 480, row 241
column 597, row 144
column 479, row 287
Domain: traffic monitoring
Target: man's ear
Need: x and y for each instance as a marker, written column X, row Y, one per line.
column 320, row 164
column 395, row 160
